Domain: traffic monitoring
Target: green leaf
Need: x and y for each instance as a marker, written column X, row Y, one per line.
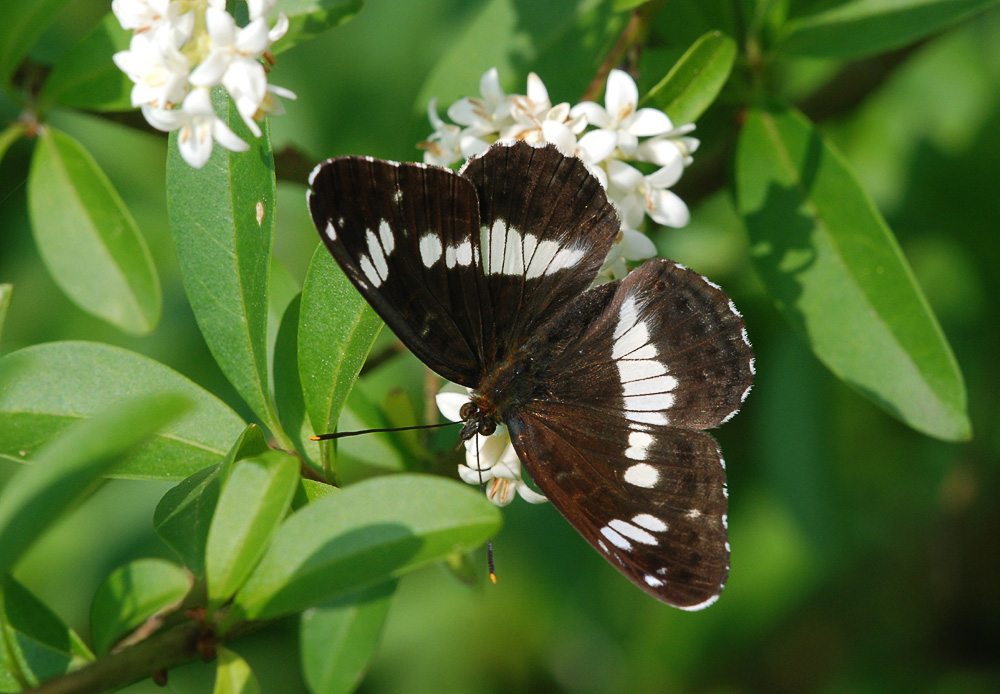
column 626, row 5
column 87, row 238
column 233, row 675
column 184, row 514
column 35, row 644
column 308, row 18
column 23, row 23
column 364, row 534
column 131, row 595
column 69, row 466
column 309, row 491
column 336, row 331
column 225, row 255
column 837, row 273
column 86, row 77
column 48, row 387
column 288, row 386
column 9, row 135
column 338, row 639
column 867, row 27
column 253, row 502
column 695, row 80
column 6, row 292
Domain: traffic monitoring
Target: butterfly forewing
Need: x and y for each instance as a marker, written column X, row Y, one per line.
column 661, row 520
column 407, row 237
column 545, row 229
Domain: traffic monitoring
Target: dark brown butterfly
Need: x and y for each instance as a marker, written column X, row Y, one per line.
column 484, row 275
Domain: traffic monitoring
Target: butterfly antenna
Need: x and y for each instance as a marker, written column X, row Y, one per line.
column 342, row 434
column 489, row 543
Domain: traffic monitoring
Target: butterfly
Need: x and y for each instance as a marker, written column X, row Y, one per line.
column 485, row 275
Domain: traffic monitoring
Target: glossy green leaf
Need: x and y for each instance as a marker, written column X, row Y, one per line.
column 131, row 595
column 308, row 18
column 365, row 534
column 336, row 331
column 48, row 387
column 6, row 292
column 338, row 639
column 35, row 644
column 695, row 80
column 23, row 23
column 225, row 255
column 837, row 273
column 86, row 77
column 288, row 386
column 184, row 514
column 253, row 502
column 309, row 491
column 233, row 675
column 71, row 465
column 87, row 237
column 867, row 27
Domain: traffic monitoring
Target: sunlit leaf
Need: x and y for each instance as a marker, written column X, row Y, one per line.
column 837, row 273
column 132, row 594
column 253, row 502
column 225, row 254
column 364, row 534
column 338, row 639
column 336, row 331
column 87, row 237
column 35, row 644
column 233, row 675
column 866, row 27
column 71, row 465
column 308, row 18
column 6, row 292
column 184, row 514
column 695, row 80
column 51, row 386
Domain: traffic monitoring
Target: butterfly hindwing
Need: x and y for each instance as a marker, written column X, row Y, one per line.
column 407, row 237
column 660, row 520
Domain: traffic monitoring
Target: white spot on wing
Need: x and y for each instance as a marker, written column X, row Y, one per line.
column 449, row 256
column 378, row 259
column 632, row 532
column 646, row 417
column 430, row 250
column 652, row 581
column 366, row 267
column 513, row 254
column 565, row 259
column 660, row 384
column 638, row 445
column 649, row 403
column 701, row 605
column 331, row 233
column 543, row 255
column 616, row 539
column 463, row 253
column 639, row 369
column 627, row 317
column 385, row 235
column 635, row 337
column 650, row 522
column 642, row 475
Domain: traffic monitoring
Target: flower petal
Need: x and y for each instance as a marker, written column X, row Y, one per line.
column 529, row 494
column 636, row 245
column 559, row 135
column 623, row 176
column 648, row 121
column 537, row 92
column 595, row 114
column 450, row 404
column 666, row 176
column 620, row 96
column 668, row 209
column 598, row 145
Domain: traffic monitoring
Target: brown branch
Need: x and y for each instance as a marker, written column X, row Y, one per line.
column 632, row 35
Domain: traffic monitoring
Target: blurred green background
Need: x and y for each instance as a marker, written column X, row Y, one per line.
column 865, row 556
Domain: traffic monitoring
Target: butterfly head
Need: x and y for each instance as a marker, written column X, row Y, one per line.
column 477, row 421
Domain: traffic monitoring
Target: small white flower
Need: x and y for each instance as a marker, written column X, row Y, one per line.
column 259, row 9
column 636, row 195
column 139, row 15
column 491, row 457
column 159, row 70
column 620, row 115
column 486, row 115
column 198, row 125
column 443, row 147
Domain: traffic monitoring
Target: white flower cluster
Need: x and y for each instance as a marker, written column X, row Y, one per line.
column 603, row 137
column 494, row 456
column 183, row 48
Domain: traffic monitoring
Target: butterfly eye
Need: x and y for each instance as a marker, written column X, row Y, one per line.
column 468, row 409
column 488, row 427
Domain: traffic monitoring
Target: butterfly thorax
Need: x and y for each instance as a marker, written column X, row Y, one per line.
column 504, row 388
